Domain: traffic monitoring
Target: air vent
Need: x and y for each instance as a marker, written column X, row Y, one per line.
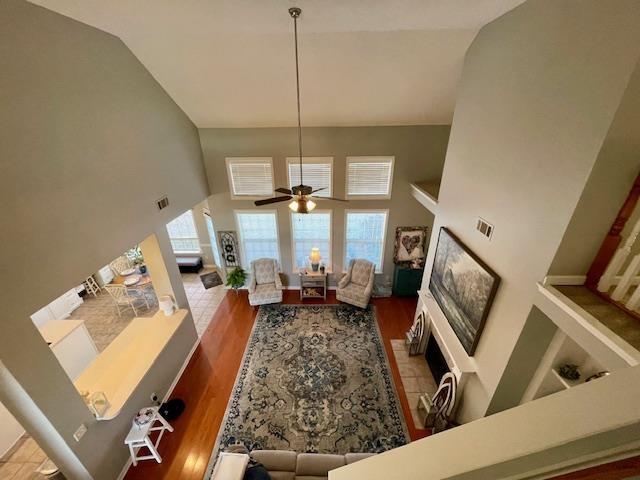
column 484, row 227
column 162, row 203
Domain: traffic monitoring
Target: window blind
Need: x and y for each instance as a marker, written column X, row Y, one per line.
column 250, row 176
column 311, row 230
column 317, row 173
column 369, row 176
column 183, row 234
column 258, row 235
column 365, row 234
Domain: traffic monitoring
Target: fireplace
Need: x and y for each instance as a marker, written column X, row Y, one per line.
column 436, row 361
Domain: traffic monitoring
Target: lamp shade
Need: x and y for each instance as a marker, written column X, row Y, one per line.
column 314, row 257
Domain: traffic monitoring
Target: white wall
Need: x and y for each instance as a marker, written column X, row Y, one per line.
column 539, row 90
column 88, row 142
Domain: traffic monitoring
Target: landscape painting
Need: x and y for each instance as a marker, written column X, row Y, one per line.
column 464, row 288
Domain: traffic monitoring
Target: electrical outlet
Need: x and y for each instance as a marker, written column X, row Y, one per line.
column 154, row 397
column 82, row 429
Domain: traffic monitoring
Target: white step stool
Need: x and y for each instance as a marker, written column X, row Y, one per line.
column 138, row 438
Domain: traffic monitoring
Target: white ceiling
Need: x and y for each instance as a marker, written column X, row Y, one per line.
column 229, row 63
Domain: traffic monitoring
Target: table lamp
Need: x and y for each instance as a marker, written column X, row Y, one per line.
column 314, row 257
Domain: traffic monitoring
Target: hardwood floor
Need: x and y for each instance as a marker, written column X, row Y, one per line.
column 207, row 382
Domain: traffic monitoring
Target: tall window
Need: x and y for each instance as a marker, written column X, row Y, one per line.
column 316, row 172
column 369, row 177
column 365, row 235
column 310, row 230
column 212, row 238
column 258, row 235
column 183, row 234
column 250, row 176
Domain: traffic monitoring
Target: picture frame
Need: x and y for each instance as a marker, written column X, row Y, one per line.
column 464, row 288
column 229, row 248
column 410, row 246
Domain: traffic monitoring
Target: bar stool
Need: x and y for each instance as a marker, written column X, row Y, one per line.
column 138, row 438
column 91, row 286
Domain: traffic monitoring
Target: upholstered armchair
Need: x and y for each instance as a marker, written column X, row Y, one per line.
column 265, row 285
column 356, row 286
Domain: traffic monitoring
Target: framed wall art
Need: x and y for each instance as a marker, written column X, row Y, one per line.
column 464, row 287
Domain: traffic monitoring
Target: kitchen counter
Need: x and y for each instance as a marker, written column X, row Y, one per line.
column 120, row 368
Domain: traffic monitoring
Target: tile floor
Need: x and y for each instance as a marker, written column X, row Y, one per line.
column 203, row 302
column 416, row 377
column 23, row 461
column 101, row 316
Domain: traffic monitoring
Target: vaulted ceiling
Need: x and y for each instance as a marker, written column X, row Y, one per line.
column 229, row 63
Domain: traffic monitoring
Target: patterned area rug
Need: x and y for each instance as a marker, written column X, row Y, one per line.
column 314, row 379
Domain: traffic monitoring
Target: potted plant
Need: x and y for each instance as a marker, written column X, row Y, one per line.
column 236, row 278
column 135, row 256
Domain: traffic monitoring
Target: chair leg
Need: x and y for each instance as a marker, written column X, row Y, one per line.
column 164, row 422
column 135, row 312
column 118, row 310
column 134, row 460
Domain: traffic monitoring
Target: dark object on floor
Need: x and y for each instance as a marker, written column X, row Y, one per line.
column 256, row 472
column 172, row 409
column 210, row 280
column 189, row 264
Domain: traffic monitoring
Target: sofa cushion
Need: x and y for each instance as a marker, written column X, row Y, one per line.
column 354, row 457
column 276, row 460
column 314, row 464
column 278, row 475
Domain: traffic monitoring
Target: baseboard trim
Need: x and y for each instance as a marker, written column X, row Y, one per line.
column 564, row 280
column 127, row 465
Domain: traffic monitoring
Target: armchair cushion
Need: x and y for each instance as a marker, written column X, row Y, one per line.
column 264, row 270
column 361, row 272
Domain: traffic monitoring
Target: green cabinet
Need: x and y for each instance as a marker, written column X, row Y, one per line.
column 407, row 281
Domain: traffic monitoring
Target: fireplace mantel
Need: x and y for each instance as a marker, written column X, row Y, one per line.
column 460, row 363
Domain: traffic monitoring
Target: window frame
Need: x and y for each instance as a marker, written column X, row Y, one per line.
column 345, row 265
column 231, row 160
column 311, row 160
column 197, row 237
column 369, row 159
column 329, row 266
column 243, row 255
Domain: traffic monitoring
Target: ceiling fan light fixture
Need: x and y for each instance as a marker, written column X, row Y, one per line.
column 294, row 205
column 302, row 205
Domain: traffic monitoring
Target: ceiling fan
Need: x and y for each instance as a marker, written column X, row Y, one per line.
column 301, row 195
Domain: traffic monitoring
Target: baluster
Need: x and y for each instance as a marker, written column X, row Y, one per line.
column 621, row 255
column 626, row 280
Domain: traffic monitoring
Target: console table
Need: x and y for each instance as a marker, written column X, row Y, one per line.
column 313, row 285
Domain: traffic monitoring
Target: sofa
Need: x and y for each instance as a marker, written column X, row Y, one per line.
column 356, row 286
column 287, row 465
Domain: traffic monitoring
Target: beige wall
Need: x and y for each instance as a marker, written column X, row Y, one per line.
column 419, row 154
column 610, row 181
column 88, row 142
column 539, row 90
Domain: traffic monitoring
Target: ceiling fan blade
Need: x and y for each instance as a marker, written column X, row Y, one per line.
column 330, row 198
column 283, row 190
column 318, row 189
column 267, row 201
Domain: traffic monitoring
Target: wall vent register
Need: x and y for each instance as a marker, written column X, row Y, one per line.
column 162, row 202
column 484, row 227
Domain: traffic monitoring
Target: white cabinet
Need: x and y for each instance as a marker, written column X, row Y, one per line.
column 59, row 309
column 71, row 344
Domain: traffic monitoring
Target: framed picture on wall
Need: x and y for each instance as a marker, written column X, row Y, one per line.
column 463, row 286
column 229, row 246
column 410, row 245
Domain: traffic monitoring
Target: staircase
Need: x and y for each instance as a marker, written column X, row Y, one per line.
column 614, row 274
